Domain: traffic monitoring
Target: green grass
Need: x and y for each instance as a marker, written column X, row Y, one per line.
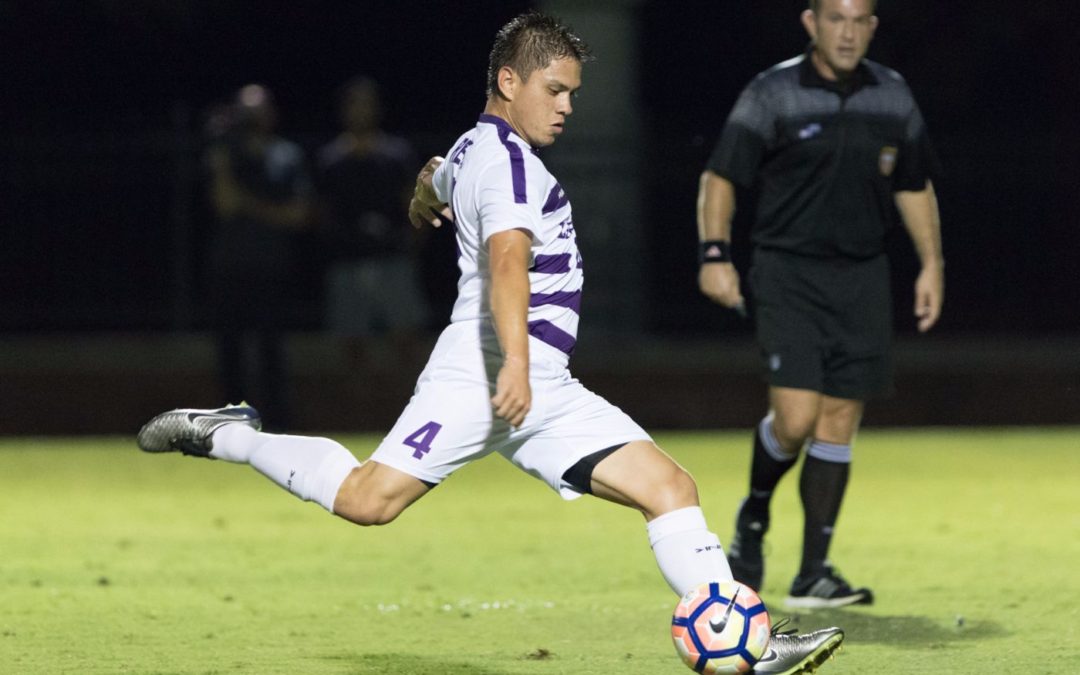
column 112, row 561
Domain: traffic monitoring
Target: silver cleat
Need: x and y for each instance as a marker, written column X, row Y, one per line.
column 790, row 653
column 188, row 430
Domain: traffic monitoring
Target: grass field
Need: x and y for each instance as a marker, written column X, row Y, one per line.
column 112, row 561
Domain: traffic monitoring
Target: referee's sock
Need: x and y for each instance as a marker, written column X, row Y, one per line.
column 822, row 485
column 313, row 469
column 769, row 464
column 687, row 553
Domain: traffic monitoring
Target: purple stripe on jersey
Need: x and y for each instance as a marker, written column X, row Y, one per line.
column 568, row 299
column 517, row 160
column 555, row 201
column 547, row 332
column 551, row 264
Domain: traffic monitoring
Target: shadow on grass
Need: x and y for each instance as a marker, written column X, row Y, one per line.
column 916, row 632
column 408, row 664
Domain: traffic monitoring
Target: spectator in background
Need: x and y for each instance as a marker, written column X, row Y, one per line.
column 260, row 192
column 365, row 182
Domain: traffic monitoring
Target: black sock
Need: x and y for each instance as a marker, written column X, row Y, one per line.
column 821, row 487
column 765, row 470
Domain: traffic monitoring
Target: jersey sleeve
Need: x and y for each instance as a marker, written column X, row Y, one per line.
column 506, row 201
column 746, row 135
column 916, row 161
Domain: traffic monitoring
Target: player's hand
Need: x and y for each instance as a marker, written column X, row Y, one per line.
column 425, row 207
column 719, row 281
column 929, row 295
column 513, row 396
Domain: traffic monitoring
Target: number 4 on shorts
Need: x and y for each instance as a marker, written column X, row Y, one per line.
column 421, row 439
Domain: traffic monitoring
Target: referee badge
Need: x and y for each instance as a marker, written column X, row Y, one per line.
column 886, row 160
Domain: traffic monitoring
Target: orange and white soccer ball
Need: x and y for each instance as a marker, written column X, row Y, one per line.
column 720, row 627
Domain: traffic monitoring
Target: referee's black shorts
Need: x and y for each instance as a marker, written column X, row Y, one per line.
column 824, row 325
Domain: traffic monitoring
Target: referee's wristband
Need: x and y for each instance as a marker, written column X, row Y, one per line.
column 714, row 251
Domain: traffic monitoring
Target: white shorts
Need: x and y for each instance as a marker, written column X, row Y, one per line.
column 449, row 421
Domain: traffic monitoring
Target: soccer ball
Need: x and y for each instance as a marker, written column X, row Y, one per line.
column 720, row 627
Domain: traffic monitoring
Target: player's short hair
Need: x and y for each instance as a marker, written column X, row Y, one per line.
column 529, row 42
column 815, row 5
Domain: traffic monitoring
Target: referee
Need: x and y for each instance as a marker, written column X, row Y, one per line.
column 831, row 142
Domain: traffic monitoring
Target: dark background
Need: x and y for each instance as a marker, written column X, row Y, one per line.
column 104, row 222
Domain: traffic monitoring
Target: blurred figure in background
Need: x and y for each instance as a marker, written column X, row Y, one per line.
column 260, row 193
column 365, row 181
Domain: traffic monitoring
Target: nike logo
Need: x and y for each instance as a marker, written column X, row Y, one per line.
column 718, row 626
column 769, row 655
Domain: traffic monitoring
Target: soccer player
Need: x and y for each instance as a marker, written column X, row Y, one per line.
column 832, row 141
column 497, row 379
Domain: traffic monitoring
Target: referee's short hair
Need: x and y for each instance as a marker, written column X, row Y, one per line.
column 815, row 5
column 529, row 42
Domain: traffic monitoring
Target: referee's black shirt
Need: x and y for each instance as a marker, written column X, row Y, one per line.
column 826, row 157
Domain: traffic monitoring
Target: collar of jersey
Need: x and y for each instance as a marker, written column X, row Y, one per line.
column 504, row 127
column 810, row 77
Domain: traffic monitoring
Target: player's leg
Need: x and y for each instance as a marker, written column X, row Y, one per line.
column 640, row 475
column 792, row 346
column 311, row 468
column 825, row 476
column 821, row 487
column 857, row 368
column 777, row 441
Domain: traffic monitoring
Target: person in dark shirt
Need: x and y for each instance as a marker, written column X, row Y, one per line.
column 833, row 144
column 365, row 180
column 260, row 192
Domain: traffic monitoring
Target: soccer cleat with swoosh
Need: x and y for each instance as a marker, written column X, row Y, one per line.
column 189, row 430
column 791, row 654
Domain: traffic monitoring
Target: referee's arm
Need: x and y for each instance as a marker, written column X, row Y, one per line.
column 919, row 211
column 719, row 281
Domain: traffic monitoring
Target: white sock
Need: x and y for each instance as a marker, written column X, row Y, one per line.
column 687, row 553
column 313, row 469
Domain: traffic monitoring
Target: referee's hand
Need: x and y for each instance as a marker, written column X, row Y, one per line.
column 719, row 281
column 929, row 296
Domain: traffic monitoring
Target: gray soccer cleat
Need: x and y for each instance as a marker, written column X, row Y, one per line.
column 188, row 430
column 824, row 588
column 789, row 653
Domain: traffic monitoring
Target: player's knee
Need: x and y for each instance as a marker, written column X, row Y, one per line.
column 367, row 510
column 675, row 491
column 368, row 514
column 793, row 430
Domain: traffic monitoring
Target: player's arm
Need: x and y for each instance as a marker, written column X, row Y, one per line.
column 717, row 279
column 919, row 211
column 425, row 205
column 509, row 297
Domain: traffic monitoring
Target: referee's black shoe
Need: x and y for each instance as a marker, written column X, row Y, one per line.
column 823, row 588
column 744, row 552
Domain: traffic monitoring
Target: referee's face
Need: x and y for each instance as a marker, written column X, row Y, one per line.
column 841, row 31
column 538, row 107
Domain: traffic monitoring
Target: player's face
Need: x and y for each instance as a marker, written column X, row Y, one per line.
column 540, row 105
column 841, row 31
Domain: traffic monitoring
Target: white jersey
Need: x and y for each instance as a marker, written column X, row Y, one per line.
column 494, row 182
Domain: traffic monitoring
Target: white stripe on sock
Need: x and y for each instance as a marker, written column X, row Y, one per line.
column 830, row 452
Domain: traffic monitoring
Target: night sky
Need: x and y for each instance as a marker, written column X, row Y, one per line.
column 103, row 102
